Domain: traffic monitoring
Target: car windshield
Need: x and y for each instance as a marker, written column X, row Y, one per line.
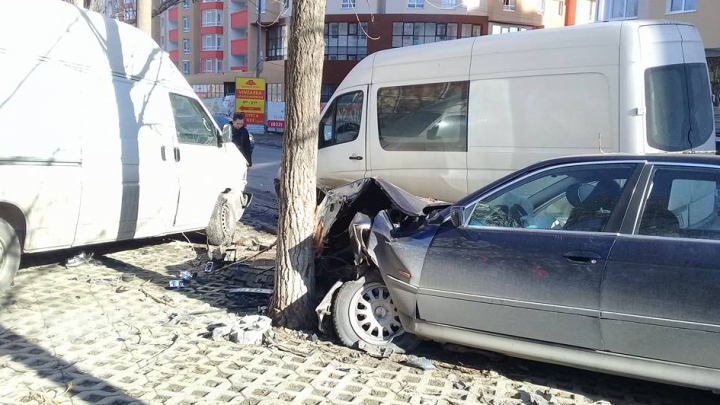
column 679, row 108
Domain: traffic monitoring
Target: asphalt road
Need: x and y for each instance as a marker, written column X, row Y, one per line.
column 266, row 162
column 263, row 209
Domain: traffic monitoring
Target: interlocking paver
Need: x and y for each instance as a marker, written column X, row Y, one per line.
column 66, row 336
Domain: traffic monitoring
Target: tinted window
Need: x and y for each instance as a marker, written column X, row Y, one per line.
column 577, row 198
column 679, row 111
column 426, row 117
column 192, row 124
column 341, row 122
column 684, row 203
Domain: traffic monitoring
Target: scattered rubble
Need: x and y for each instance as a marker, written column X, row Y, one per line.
column 249, row 330
column 420, row 362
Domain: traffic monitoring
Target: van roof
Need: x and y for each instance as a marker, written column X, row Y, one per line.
column 443, row 56
column 60, row 32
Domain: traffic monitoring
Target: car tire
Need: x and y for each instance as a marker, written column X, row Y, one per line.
column 221, row 229
column 10, row 252
column 382, row 330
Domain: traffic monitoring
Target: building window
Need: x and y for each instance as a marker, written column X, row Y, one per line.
column 186, row 46
column 417, row 4
column 342, row 121
column 274, row 92
column 679, row 6
column 424, row 117
column 277, row 43
column 509, row 5
column 129, row 14
column 326, row 92
column 449, row 3
column 218, row 65
column 186, row 4
column 561, row 7
column 186, row 24
column 345, row 41
column 506, row 29
column 623, row 9
column 212, row 18
column 212, row 65
column 409, row 34
column 540, row 7
column 471, row 30
column 212, row 42
column 208, row 65
column 347, row 4
column 186, row 67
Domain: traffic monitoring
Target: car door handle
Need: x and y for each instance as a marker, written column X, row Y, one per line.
column 177, row 154
column 355, row 157
column 582, row 257
column 162, row 152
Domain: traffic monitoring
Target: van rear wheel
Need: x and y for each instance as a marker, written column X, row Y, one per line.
column 221, row 229
column 9, row 254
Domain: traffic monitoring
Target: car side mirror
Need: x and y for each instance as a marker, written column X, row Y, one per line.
column 457, row 216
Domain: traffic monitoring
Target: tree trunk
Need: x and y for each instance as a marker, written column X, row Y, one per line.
column 293, row 301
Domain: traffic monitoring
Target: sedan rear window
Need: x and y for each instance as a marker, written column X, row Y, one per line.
column 679, row 112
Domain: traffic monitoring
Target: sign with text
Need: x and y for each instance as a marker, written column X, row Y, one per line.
column 276, row 115
column 250, row 99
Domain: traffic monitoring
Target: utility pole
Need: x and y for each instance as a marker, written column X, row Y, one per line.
column 143, row 13
column 258, row 65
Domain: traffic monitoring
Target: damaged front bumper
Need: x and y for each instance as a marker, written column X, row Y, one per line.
column 370, row 224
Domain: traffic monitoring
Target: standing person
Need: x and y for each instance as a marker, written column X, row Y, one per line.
column 241, row 137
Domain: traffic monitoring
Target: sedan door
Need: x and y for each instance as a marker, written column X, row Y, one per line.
column 662, row 283
column 529, row 262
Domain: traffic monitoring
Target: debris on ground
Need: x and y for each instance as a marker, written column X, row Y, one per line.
column 251, row 290
column 249, row 330
column 377, row 352
column 420, row 362
column 78, row 259
column 128, row 277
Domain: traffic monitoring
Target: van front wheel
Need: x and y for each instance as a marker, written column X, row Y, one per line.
column 221, row 229
column 9, row 254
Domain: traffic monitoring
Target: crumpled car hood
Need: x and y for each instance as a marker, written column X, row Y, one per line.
column 366, row 197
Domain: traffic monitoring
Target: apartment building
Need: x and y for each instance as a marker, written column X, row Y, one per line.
column 215, row 41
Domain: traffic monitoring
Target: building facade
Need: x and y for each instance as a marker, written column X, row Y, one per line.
column 215, row 41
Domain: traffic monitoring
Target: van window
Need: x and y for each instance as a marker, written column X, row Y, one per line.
column 341, row 122
column 679, row 112
column 192, row 124
column 426, row 117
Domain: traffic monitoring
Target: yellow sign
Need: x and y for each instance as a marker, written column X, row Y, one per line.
column 250, row 99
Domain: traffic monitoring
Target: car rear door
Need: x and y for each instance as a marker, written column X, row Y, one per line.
column 529, row 263
column 662, row 282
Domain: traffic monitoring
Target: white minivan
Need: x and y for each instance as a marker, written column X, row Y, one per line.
column 102, row 139
column 441, row 120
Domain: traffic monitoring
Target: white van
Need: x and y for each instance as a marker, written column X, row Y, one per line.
column 441, row 120
column 102, row 139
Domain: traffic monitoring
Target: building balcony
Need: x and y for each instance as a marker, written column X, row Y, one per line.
column 173, row 35
column 239, row 68
column 174, row 56
column 239, row 19
column 173, row 14
column 212, row 5
column 239, row 46
column 213, row 29
column 211, row 54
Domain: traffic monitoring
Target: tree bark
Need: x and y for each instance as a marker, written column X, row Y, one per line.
column 293, row 301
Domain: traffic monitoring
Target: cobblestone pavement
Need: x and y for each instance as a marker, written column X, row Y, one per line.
column 81, row 335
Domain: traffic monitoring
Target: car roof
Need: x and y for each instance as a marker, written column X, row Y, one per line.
column 685, row 158
column 677, row 158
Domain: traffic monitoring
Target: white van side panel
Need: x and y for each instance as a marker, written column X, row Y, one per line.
column 519, row 121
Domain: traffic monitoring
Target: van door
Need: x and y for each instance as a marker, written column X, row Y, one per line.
column 421, row 141
column 341, row 146
column 197, row 155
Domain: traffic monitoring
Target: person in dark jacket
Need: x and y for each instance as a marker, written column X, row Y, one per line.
column 241, row 137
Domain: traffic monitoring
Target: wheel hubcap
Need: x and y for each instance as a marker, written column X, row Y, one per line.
column 373, row 314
